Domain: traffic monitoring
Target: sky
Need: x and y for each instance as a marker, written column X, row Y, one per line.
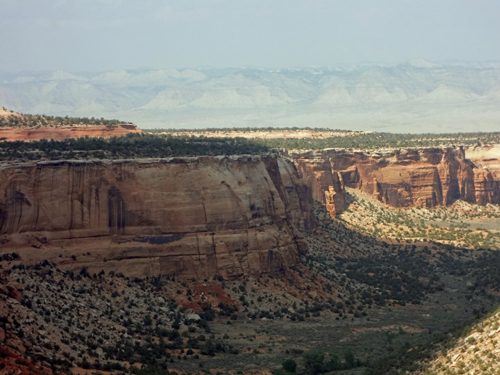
column 98, row 35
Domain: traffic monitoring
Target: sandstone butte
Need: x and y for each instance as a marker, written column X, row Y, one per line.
column 188, row 217
column 61, row 132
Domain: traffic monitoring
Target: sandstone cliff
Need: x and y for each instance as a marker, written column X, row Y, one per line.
column 192, row 217
column 423, row 177
column 326, row 184
column 486, row 160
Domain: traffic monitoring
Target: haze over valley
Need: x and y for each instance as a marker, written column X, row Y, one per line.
column 415, row 96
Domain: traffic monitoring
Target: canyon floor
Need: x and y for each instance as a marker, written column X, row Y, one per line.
column 369, row 301
column 464, row 225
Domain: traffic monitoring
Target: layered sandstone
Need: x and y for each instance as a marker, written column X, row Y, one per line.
column 191, row 217
column 422, row 177
column 56, row 132
column 65, row 132
column 486, row 160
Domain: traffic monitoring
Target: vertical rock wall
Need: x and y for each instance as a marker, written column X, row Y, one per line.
column 422, row 177
column 327, row 185
column 193, row 217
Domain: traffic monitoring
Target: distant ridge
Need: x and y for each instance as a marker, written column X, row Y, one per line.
column 417, row 95
column 421, row 63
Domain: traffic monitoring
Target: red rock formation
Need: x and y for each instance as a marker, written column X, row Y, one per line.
column 327, row 185
column 65, row 132
column 486, row 161
column 487, row 188
column 193, row 217
column 422, row 177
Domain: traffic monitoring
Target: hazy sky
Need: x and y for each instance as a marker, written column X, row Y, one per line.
column 95, row 35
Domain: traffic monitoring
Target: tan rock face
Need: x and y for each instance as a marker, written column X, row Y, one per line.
column 486, row 186
column 423, row 177
column 192, row 217
column 486, row 160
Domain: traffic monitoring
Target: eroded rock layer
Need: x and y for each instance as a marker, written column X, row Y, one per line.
column 191, row 217
column 423, row 177
column 66, row 132
column 326, row 184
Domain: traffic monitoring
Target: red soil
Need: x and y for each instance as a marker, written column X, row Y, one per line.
column 15, row 364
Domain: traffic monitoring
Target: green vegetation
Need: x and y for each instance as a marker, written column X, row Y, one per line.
column 130, row 146
column 289, row 366
column 433, row 357
column 334, row 138
column 372, row 141
column 333, row 312
column 161, row 143
column 166, row 145
column 396, row 277
column 153, row 331
column 201, row 131
column 460, row 225
column 348, row 139
column 315, row 362
column 36, row 121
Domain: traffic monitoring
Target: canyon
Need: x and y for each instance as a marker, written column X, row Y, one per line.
column 207, row 216
column 217, row 259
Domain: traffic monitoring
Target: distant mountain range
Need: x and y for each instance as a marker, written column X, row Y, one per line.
column 416, row 96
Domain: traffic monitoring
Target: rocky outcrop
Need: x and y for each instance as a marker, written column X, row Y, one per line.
column 191, row 217
column 326, row 184
column 486, row 160
column 423, row 177
column 487, row 187
column 65, row 132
